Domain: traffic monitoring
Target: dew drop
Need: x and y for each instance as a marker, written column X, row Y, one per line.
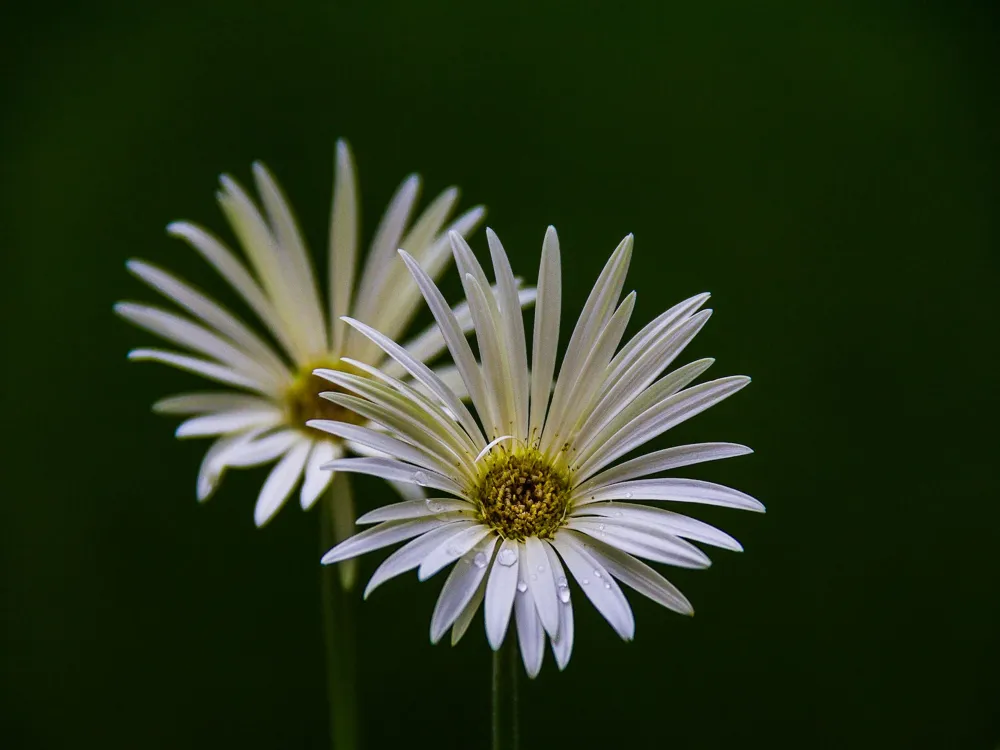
column 479, row 560
column 453, row 551
column 541, row 568
column 522, row 586
column 585, row 582
column 507, row 557
column 607, row 585
column 562, row 582
column 597, row 573
column 601, row 526
column 564, row 594
column 419, row 477
column 628, row 495
column 534, row 577
column 618, row 514
column 434, row 506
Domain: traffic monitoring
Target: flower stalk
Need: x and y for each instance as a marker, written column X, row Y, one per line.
column 506, row 666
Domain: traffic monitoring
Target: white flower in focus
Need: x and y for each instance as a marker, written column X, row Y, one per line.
column 271, row 393
column 536, row 495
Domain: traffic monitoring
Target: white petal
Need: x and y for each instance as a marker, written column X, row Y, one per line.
column 229, row 421
column 416, row 509
column 500, row 590
column 389, row 468
column 542, row 584
column 212, row 468
column 650, row 542
column 597, row 311
column 210, row 370
column 597, row 584
column 452, row 548
column 317, row 479
column 209, row 402
column 530, row 634
column 459, row 348
column 464, row 618
column 515, row 350
column 640, row 577
column 658, row 419
column 498, row 393
column 233, row 271
column 546, row 335
column 407, row 491
column 281, row 481
column 675, row 523
column 664, row 460
column 562, row 644
column 343, row 242
column 384, row 245
column 411, row 554
column 209, row 311
column 297, row 264
column 461, row 586
column 423, row 374
column 674, row 490
column 382, row 536
column 262, row 449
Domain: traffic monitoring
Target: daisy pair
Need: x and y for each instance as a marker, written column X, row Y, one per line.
column 270, row 392
column 527, row 489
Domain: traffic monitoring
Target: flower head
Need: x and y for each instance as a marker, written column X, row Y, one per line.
column 536, row 495
column 271, row 391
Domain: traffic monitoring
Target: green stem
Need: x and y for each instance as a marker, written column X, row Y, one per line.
column 339, row 629
column 505, row 671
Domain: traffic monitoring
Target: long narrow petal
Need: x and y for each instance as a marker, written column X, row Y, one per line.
column 260, row 450
column 542, row 584
column 210, row 370
column 416, row 509
column 499, row 394
column 664, row 460
column 452, row 548
column 281, row 481
column 500, row 590
column 317, row 479
column 545, row 342
column 530, row 634
column 424, row 375
column 210, row 312
column 562, row 644
column 414, row 552
column 515, row 349
column 641, row 577
column 343, row 243
column 461, row 586
column 464, row 618
column 225, row 422
column 208, row 402
column 648, row 541
column 400, row 471
column 383, row 535
column 597, row 584
column 675, row 490
column 675, row 523
column 233, row 271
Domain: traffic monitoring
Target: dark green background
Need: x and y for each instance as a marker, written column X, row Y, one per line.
column 828, row 170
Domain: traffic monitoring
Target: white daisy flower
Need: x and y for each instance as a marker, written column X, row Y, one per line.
column 535, row 496
column 261, row 416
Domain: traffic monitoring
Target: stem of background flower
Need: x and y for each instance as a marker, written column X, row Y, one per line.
column 505, row 671
column 336, row 582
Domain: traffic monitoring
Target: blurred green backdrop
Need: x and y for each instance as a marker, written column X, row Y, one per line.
column 828, row 170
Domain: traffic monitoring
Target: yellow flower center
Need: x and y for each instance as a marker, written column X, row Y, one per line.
column 303, row 402
column 521, row 494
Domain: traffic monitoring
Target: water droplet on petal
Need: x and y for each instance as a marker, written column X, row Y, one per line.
column 453, row 551
column 618, row 514
column 607, row 585
column 585, row 582
column 600, row 526
column 534, row 577
column 435, row 506
column 507, row 557
column 419, row 477
column 562, row 582
column 479, row 560
column 597, row 573
column 522, row 586
column 628, row 495
column 541, row 568
column 564, row 594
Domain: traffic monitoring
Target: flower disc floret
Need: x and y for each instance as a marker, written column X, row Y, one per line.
column 521, row 494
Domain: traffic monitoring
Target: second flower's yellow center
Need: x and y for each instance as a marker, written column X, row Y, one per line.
column 520, row 494
column 303, row 402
